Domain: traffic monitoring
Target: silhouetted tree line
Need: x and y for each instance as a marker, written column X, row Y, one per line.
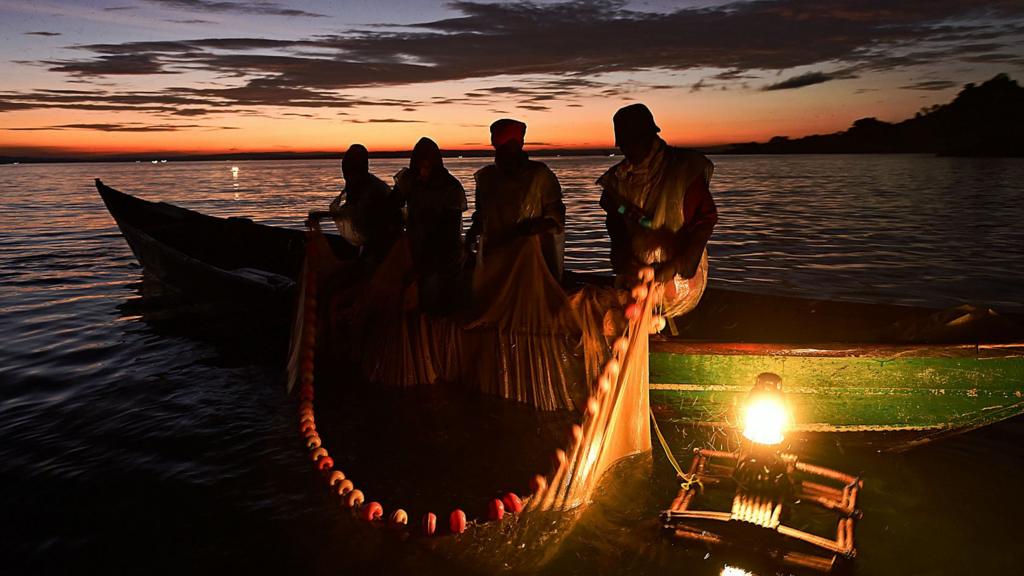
column 983, row 120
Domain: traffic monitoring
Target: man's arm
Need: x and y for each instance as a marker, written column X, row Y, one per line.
column 701, row 216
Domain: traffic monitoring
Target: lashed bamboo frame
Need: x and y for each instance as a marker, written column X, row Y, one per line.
column 713, row 468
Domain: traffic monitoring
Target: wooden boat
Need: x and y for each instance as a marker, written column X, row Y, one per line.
column 888, row 376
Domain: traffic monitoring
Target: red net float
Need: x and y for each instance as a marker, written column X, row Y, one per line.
column 495, row 510
column 457, row 521
column 307, row 426
column 429, row 524
column 632, row 311
column 513, row 505
column 372, row 511
column 313, row 442
column 317, row 453
column 325, row 463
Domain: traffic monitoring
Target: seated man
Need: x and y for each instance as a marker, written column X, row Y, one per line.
column 659, row 210
column 366, row 215
column 517, row 197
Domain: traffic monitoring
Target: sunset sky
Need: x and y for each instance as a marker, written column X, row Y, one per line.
column 212, row 76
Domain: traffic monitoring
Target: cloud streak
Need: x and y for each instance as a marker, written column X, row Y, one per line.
column 551, row 52
column 264, row 8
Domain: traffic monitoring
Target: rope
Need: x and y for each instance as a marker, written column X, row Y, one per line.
column 688, row 480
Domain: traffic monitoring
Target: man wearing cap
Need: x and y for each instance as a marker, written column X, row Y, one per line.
column 517, row 197
column 659, row 210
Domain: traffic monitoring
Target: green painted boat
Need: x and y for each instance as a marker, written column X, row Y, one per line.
column 888, row 376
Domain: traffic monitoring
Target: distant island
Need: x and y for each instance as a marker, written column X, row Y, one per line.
column 983, row 120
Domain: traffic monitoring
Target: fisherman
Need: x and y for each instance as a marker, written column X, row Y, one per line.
column 659, row 210
column 435, row 201
column 517, row 197
column 365, row 211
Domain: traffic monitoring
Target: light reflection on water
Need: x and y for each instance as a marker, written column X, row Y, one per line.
column 124, row 430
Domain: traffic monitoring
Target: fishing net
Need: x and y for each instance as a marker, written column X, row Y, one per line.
column 526, row 340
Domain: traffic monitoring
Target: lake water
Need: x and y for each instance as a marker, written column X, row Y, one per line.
column 136, row 437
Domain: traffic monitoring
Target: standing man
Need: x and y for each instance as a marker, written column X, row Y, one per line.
column 517, row 197
column 659, row 210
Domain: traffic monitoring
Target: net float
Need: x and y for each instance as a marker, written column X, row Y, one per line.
column 354, row 499
column 306, row 416
column 398, row 518
column 325, row 463
column 372, row 511
column 658, row 324
column 621, row 346
column 306, row 393
column 457, row 521
column 313, row 442
column 335, row 477
column 344, row 487
column 317, row 453
column 429, row 523
column 305, row 405
column 639, row 292
column 632, row 311
column 307, row 426
column 495, row 510
column 513, row 505
column 612, row 368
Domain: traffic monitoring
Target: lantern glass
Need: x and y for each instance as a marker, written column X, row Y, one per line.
column 765, row 419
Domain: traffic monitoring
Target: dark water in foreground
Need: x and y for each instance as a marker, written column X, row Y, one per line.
column 139, row 435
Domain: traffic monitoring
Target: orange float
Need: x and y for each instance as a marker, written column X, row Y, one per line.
column 354, row 499
column 398, row 518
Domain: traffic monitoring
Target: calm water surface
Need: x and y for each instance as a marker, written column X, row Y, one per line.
column 137, row 436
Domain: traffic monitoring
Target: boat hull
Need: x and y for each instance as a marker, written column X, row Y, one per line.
column 910, row 374
column 891, row 396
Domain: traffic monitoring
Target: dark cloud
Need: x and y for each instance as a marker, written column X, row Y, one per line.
column 809, row 79
column 119, row 8
column 930, row 85
column 111, row 65
column 558, row 52
column 128, row 127
column 265, row 8
column 42, row 33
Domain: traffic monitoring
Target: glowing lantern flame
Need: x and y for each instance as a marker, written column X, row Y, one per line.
column 728, row 570
column 765, row 419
